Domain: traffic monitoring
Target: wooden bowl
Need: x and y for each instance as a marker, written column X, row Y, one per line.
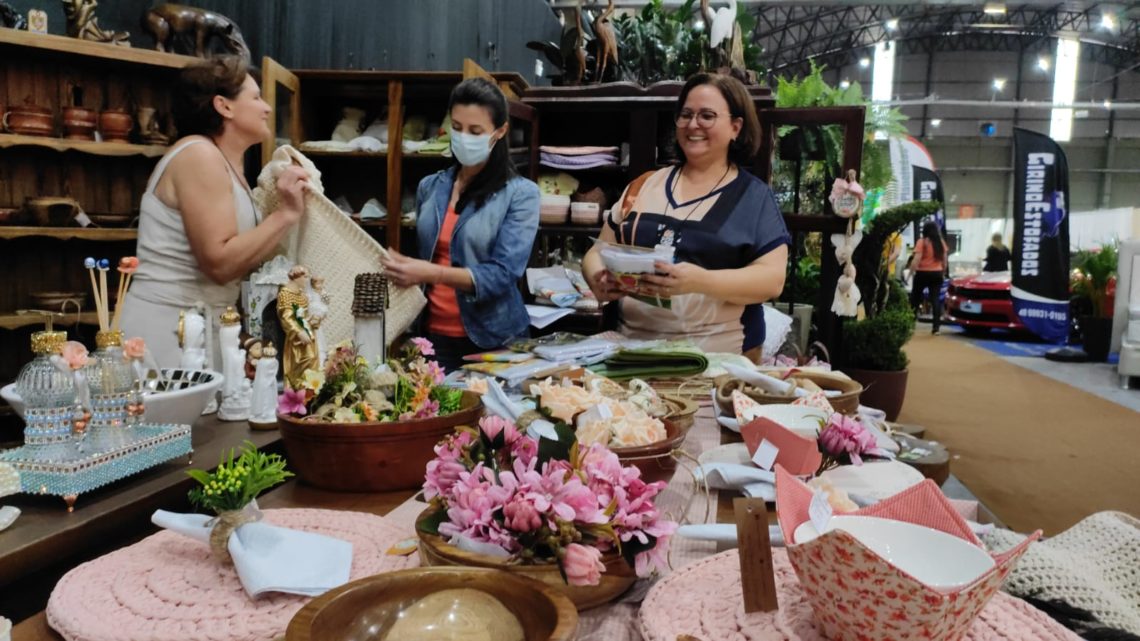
column 682, row 411
column 367, row 608
column 655, row 460
column 369, row 457
column 52, row 211
column 116, row 125
column 616, row 579
column 846, row 402
column 29, row 120
column 54, row 301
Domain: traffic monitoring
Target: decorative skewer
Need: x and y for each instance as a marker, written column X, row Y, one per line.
column 90, row 263
column 104, row 321
column 127, row 267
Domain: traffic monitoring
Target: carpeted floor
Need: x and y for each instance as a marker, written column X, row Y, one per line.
column 1038, row 452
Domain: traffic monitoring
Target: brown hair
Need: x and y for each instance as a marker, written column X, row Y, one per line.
column 740, row 105
column 194, row 112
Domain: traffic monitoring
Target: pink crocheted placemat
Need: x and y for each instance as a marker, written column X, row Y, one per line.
column 169, row 588
column 703, row 599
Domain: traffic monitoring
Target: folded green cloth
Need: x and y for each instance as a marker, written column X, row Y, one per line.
column 652, row 363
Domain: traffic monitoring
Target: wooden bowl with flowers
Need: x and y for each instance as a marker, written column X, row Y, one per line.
column 569, row 515
column 355, row 427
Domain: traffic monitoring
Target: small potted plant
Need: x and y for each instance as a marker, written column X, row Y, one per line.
column 1094, row 277
column 872, row 346
column 357, row 427
column 571, row 516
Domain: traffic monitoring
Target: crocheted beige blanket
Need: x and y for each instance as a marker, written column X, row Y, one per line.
column 1094, row 566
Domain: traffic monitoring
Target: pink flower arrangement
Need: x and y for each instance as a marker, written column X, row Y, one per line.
column 74, row 354
column 424, row 346
column 134, row 348
column 568, row 505
column 845, row 438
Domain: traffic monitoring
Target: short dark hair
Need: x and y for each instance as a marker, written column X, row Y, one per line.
column 499, row 168
column 194, row 112
column 740, row 105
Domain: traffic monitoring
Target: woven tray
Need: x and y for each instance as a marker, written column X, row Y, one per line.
column 703, row 599
column 169, row 588
column 846, row 402
column 334, row 247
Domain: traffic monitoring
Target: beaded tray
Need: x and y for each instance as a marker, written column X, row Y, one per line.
column 703, row 599
column 109, row 454
column 169, row 588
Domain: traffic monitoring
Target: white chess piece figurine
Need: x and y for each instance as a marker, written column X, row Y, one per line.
column 192, row 340
column 318, row 310
column 263, row 405
column 236, row 387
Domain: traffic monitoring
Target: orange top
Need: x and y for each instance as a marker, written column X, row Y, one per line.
column 925, row 260
column 443, row 306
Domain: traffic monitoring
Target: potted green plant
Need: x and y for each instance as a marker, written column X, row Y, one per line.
column 872, row 346
column 1095, row 279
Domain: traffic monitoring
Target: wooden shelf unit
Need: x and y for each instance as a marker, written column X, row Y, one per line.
column 16, row 321
column 91, row 147
column 308, row 104
column 41, row 44
column 70, row 233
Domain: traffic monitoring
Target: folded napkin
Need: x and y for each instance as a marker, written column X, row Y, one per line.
column 269, row 558
column 578, row 151
column 496, row 402
column 756, row 483
column 769, row 383
column 649, row 363
column 725, row 533
column 591, row 349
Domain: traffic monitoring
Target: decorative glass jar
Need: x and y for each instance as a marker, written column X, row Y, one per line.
column 111, row 381
column 48, row 393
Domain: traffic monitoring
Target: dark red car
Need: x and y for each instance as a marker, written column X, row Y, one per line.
column 982, row 302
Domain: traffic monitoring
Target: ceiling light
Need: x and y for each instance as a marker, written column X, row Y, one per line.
column 864, row 62
column 1107, row 104
column 843, row 84
column 999, row 84
column 935, row 122
column 994, row 9
column 1108, row 21
column 892, row 24
column 1043, row 63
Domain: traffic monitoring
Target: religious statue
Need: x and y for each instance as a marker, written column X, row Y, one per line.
column 252, row 347
column 236, row 389
column 318, row 310
column 300, row 346
column 82, row 23
column 263, row 406
column 192, row 338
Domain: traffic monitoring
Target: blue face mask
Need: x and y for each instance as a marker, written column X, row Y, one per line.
column 470, row 149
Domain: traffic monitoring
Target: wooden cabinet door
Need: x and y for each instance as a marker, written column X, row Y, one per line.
column 282, row 90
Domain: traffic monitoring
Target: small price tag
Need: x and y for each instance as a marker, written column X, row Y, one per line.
column 820, row 511
column 82, row 219
column 766, row 454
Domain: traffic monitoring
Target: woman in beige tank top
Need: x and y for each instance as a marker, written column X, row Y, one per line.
column 199, row 230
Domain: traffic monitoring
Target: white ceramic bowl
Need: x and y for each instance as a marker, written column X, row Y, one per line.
column 944, row 562
column 181, row 399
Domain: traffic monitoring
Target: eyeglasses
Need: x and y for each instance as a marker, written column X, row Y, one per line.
column 705, row 118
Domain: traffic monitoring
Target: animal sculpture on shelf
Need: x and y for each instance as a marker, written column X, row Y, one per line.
column 726, row 41
column 11, row 18
column 606, row 47
column 570, row 56
column 82, row 23
column 579, row 50
column 171, row 24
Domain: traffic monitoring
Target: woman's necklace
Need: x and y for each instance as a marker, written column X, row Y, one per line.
column 668, row 236
column 241, row 181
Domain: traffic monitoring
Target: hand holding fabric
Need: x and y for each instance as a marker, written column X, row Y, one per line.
column 404, row 271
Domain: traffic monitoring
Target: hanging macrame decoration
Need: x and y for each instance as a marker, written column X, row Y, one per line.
column 847, row 202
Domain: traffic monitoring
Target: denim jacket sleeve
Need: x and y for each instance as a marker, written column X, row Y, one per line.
column 495, row 277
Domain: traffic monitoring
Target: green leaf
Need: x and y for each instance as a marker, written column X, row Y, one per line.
column 201, row 476
column 430, row 523
column 559, row 450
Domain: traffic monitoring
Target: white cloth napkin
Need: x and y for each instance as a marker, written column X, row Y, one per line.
column 498, row 403
column 754, row 482
column 725, row 533
column 591, row 349
column 769, row 383
column 268, row 558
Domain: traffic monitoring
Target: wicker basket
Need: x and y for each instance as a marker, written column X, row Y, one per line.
column 846, row 402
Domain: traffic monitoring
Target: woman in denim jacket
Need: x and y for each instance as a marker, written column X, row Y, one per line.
column 475, row 227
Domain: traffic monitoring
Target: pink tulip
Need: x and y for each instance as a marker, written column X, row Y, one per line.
column 134, row 348
column 493, row 426
column 74, row 354
column 521, row 515
column 583, row 565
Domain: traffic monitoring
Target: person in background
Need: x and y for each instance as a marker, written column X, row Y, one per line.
column 730, row 241
column 997, row 256
column 475, row 228
column 199, row 230
column 930, row 266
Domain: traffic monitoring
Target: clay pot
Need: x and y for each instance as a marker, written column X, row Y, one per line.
column 882, row 390
column 78, row 123
column 52, row 211
column 29, row 120
column 655, row 460
column 116, row 125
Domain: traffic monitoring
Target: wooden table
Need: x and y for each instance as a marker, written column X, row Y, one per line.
column 46, row 541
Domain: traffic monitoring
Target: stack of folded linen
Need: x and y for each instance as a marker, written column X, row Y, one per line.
column 578, row 157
